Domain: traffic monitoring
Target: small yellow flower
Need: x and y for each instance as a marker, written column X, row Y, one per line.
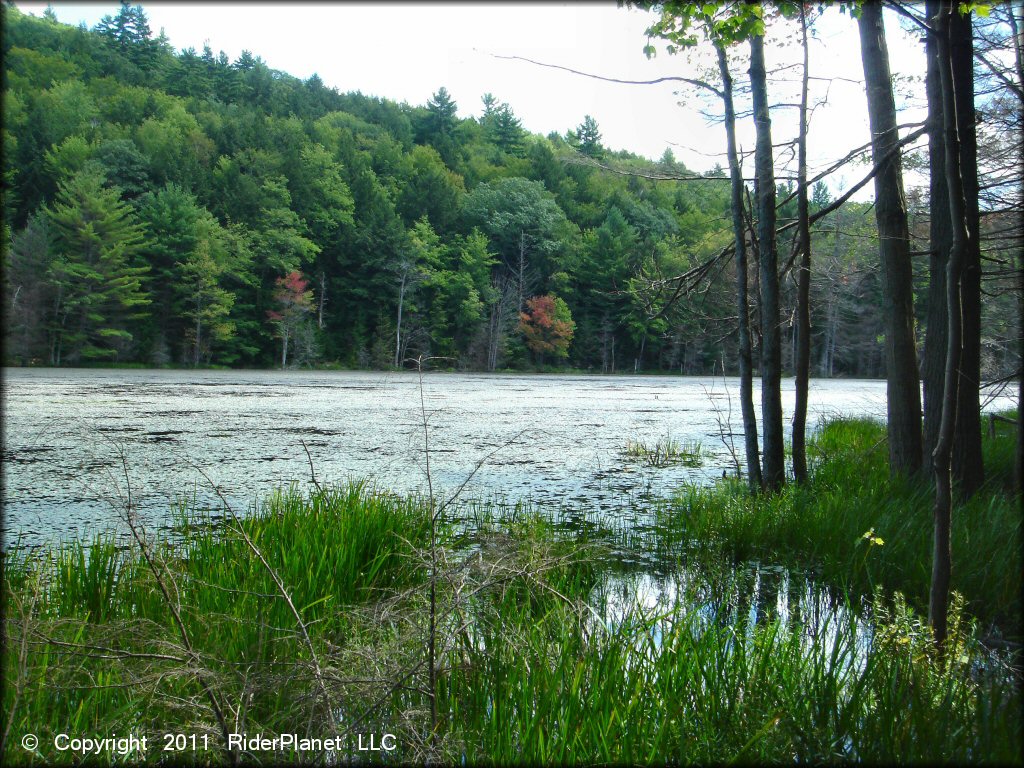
column 869, row 534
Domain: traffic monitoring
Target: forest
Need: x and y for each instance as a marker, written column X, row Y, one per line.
column 181, row 209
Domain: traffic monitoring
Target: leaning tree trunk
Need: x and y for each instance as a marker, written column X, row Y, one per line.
column 968, row 467
column 903, row 383
column 773, row 466
column 938, row 605
column 742, row 301
column 802, row 358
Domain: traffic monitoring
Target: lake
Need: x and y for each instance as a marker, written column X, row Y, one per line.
column 558, row 441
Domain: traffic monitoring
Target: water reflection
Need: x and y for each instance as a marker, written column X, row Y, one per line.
column 744, row 596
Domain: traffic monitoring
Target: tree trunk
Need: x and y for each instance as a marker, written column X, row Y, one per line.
column 199, row 335
column 321, row 300
column 398, row 322
column 773, row 466
column 742, row 302
column 968, row 466
column 938, row 605
column 1018, row 57
column 802, row 361
column 903, row 383
column 521, row 276
column 933, row 367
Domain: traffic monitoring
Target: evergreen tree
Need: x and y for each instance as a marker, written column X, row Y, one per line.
column 440, row 125
column 507, row 131
column 100, row 293
column 588, row 137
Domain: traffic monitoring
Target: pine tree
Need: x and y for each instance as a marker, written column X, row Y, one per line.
column 507, row 130
column 100, row 292
column 588, row 137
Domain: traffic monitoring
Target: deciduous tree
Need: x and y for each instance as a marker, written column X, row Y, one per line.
column 547, row 325
column 294, row 302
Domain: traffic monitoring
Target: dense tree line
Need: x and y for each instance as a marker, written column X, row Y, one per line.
column 184, row 209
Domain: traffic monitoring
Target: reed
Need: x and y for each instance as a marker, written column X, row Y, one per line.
column 666, row 452
column 689, row 686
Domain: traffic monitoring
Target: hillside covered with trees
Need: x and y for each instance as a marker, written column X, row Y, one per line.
column 183, row 209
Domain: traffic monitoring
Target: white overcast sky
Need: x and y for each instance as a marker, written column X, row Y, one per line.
column 406, row 51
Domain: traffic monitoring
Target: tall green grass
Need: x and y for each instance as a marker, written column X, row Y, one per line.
column 822, row 525
column 535, row 666
column 685, row 686
column 666, row 452
column 104, row 655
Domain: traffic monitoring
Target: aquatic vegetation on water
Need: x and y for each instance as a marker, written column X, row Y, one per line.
column 666, row 452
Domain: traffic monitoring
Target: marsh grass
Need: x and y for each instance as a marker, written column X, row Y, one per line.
column 666, row 452
column 536, row 663
column 699, row 687
column 823, row 524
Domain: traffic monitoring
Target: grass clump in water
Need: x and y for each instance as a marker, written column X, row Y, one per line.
column 666, row 452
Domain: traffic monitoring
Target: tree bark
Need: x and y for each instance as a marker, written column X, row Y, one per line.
column 903, row 383
column 940, row 234
column 938, row 605
column 802, row 356
column 199, row 334
column 968, row 466
column 1018, row 58
column 742, row 301
column 773, row 465
column 322, row 299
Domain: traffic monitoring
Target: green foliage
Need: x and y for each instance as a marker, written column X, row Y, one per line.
column 100, row 292
column 587, row 138
column 851, row 493
column 298, row 177
column 722, row 24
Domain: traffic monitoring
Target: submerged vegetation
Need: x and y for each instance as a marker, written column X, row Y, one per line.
column 311, row 616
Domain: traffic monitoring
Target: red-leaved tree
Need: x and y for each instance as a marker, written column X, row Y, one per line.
column 295, row 302
column 547, row 325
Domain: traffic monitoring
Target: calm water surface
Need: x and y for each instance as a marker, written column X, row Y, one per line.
column 555, row 440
